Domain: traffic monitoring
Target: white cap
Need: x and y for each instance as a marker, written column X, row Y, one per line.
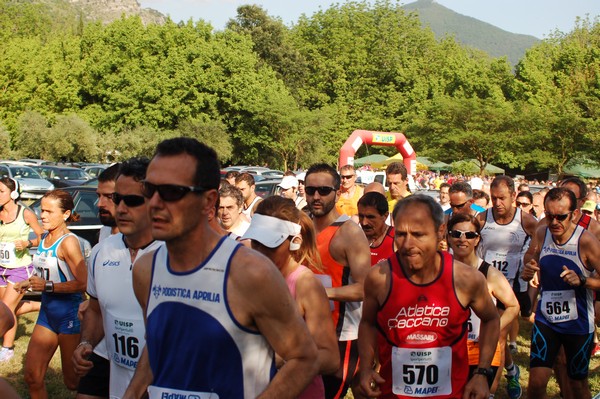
column 301, row 176
column 270, row 231
column 288, row 182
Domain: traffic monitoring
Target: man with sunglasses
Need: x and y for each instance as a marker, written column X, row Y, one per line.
column 461, row 200
column 113, row 311
column 349, row 192
column 345, row 254
column 505, row 236
column 216, row 311
column 564, row 255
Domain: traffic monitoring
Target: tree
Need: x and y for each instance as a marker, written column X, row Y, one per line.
column 212, row 133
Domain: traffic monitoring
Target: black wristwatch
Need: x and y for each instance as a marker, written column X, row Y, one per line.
column 49, row 286
column 582, row 280
column 483, row 371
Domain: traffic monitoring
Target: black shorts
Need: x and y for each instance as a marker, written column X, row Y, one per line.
column 96, row 381
column 335, row 387
column 545, row 344
column 523, row 299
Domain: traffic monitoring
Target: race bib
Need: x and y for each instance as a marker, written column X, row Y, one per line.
column 125, row 341
column 8, row 255
column 161, row 393
column 559, row 306
column 474, row 327
column 422, row 372
column 43, row 266
column 499, row 260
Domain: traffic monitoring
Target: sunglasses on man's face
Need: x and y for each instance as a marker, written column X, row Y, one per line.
column 169, row 192
column 459, row 205
column 346, row 177
column 131, row 201
column 322, row 190
column 560, row 218
column 459, row 233
column 523, row 203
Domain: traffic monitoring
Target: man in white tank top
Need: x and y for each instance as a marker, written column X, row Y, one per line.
column 113, row 310
column 215, row 310
column 505, row 237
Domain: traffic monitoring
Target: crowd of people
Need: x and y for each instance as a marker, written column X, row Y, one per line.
column 200, row 288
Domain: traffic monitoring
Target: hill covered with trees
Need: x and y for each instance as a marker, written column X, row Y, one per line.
column 262, row 92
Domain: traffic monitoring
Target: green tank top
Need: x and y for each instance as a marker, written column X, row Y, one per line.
column 16, row 230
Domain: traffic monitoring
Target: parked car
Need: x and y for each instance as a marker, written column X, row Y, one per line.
column 31, row 185
column 94, row 170
column 267, row 188
column 86, row 205
column 63, row 176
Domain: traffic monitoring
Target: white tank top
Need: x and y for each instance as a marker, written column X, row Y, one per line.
column 110, row 281
column 503, row 246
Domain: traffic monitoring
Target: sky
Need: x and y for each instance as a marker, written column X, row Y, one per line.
column 533, row 17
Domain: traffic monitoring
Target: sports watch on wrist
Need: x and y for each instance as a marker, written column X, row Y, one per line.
column 483, row 371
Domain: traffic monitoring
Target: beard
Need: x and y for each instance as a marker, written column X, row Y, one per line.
column 325, row 208
column 107, row 219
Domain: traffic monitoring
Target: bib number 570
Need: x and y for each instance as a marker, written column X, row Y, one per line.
column 419, row 373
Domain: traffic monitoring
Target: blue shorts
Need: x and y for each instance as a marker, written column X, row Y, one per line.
column 15, row 275
column 58, row 313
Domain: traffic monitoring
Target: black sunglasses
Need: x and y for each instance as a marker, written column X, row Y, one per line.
column 523, row 203
column 459, row 233
column 130, row 200
column 169, row 192
column 560, row 218
column 323, row 190
column 346, row 177
column 458, row 206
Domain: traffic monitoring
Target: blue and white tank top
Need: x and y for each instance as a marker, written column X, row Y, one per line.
column 196, row 348
column 48, row 265
column 566, row 309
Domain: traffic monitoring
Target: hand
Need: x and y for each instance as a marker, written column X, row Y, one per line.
column 21, row 245
column 443, row 245
column 22, row 286
column 369, row 383
column 477, row 388
column 570, row 277
column 37, row 283
column 529, row 270
column 81, row 364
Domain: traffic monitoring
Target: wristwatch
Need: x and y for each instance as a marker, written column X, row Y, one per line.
column 582, row 280
column 49, row 286
column 483, row 371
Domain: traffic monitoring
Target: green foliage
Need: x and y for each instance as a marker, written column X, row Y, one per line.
column 210, row 132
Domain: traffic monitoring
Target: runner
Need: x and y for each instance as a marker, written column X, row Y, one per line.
column 231, row 204
column 204, row 288
column 350, row 193
column 245, row 182
column 62, row 279
column 372, row 215
column 414, row 323
column 113, row 311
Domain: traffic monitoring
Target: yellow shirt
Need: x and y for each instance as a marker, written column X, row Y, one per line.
column 349, row 206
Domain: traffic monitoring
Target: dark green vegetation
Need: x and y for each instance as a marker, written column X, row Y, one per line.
column 472, row 32
column 262, row 92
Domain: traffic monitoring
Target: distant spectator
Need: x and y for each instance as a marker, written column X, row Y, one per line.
column 231, row 175
column 481, row 198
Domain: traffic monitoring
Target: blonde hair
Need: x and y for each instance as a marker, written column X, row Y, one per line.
column 285, row 209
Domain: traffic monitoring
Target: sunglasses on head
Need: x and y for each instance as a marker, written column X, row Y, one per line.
column 523, row 203
column 169, row 192
column 130, row 200
column 323, row 190
column 346, row 177
column 459, row 233
column 560, row 218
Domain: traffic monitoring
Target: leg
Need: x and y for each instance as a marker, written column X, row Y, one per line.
column 560, row 373
column 538, row 381
column 25, row 307
column 337, row 385
column 578, row 350
column 42, row 345
column 68, row 343
column 11, row 298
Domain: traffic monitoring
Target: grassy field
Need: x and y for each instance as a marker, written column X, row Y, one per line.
column 13, row 369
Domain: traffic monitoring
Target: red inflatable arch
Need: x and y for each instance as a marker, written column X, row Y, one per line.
column 358, row 137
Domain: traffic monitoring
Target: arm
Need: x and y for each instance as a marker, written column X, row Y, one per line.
column 369, row 379
column 311, row 296
column 142, row 276
column 351, row 247
column 502, row 291
column 472, row 287
column 532, row 255
column 92, row 331
column 272, row 311
column 32, row 221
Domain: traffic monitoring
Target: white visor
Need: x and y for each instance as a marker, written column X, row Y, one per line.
column 270, row 231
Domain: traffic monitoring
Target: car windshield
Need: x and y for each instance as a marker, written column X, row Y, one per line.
column 24, row 172
column 71, row 174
